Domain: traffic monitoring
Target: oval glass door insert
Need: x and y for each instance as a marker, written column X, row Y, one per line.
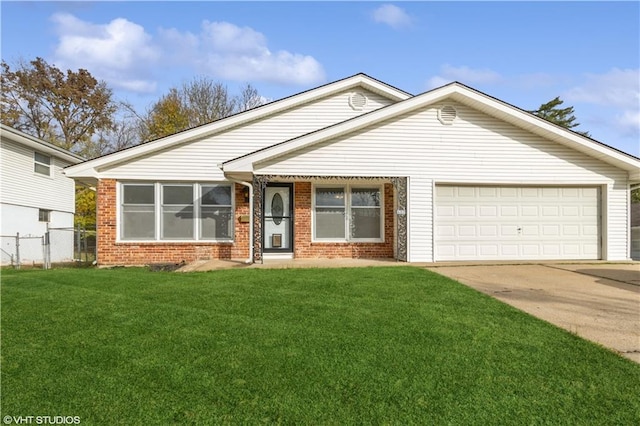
column 277, row 208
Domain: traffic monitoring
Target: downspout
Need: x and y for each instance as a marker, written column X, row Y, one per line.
column 250, row 187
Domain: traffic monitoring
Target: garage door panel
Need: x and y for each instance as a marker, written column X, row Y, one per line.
column 517, row 223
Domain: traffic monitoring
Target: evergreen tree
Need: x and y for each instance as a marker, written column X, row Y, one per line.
column 553, row 112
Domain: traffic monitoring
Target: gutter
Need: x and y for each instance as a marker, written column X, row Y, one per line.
column 250, row 186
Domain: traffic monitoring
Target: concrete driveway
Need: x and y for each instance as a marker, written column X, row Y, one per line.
column 599, row 302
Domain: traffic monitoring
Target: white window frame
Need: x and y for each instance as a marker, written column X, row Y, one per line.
column 231, row 206
column 37, row 163
column 120, row 212
column 158, row 204
column 163, row 204
column 347, row 213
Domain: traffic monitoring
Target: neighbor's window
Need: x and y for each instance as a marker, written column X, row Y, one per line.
column 42, row 164
column 44, row 215
column 347, row 213
column 138, row 212
column 183, row 211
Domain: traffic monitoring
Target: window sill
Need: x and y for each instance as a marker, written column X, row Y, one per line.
column 371, row 241
column 182, row 242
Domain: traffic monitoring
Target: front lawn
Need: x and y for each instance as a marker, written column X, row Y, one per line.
column 394, row 345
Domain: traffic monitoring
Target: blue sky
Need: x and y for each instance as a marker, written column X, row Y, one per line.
column 525, row 53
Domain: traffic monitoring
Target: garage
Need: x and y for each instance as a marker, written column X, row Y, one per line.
column 516, row 223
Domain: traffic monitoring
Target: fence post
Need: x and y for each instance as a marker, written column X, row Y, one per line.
column 47, row 242
column 84, row 244
column 17, row 250
column 78, row 249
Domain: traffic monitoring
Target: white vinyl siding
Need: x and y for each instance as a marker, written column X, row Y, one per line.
column 420, row 219
column 22, row 186
column 174, row 212
column 199, row 160
column 476, row 149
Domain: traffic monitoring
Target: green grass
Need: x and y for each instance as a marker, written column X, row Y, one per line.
column 396, row 345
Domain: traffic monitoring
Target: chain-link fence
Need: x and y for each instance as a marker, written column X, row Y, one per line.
column 57, row 245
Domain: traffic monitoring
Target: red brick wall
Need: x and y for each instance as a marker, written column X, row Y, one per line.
column 304, row 248
column 111, row 252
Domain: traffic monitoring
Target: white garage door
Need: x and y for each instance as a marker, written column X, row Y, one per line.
column 509, row 223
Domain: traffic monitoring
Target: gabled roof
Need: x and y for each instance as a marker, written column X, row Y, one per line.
column 90, row 168
column 459, row 93
column 38, row 144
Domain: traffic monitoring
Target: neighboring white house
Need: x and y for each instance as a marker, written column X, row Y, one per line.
column 635, row 231
column 358, row 168
column 34, row 194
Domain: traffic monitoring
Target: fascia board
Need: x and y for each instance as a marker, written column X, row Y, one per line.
column 246, row 163
column 39, row 145
column 92, row 168
column 551, row 130
column 458, row 92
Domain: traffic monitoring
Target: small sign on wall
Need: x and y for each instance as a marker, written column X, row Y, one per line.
column 243, row 218
column 401, row 212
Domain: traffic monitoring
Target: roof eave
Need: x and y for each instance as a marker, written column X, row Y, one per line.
column 463, row 94
column 40, row 145
column 239, row 119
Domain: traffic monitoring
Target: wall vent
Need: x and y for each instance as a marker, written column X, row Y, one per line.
column 357, row 101
column 447, row 114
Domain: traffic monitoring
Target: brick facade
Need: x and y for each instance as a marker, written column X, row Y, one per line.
column 111, row 252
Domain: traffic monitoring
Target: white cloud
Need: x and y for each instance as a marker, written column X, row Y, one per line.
column 392, row 15
column 119, row 52
column 226, row 37
column 241, row 54
column 463, row 74
column 619, row 91
column 617, row 87
column 123, row 54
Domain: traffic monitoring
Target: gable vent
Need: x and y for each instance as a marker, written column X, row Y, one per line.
column 357, row 101
column 447, row 114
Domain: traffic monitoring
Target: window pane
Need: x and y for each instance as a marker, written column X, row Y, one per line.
column 43, row 215
column 138, row 222
column 174, row 194
column 177, row 222
column 329, row 197
column 44, row 159
column 218, row 195
column 365, row 223
column 329, row 223
column 138, row 194
column 43, row 170
column 216, row 223
column 361, row 197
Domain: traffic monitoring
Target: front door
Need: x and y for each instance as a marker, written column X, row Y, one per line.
column 278, row 218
